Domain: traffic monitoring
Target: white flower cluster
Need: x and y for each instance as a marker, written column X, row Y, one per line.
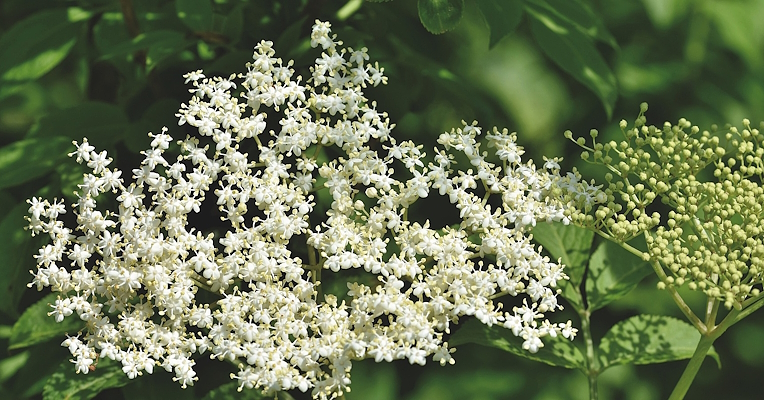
column 154, row 291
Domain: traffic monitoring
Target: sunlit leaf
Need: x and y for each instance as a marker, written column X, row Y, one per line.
column 649, row 339
column 196, row 14
column 35, row 45
column 613, row 272
column 556, row 351
column 574, row 52
column 502, row 16
column 578, row 14
column 439, row 16
column 66, row 384
column 35, row 326
column 28, row 159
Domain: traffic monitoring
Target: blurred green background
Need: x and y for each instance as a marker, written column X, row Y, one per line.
column 111, row 71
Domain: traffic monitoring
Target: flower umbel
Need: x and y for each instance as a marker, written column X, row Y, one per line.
column 134, row 274
column 711, row 181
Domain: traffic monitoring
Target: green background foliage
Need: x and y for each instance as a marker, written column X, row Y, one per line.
column 111, row 70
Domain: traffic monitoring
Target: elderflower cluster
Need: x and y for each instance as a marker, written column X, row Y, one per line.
column 712, row 239
column 155, row 291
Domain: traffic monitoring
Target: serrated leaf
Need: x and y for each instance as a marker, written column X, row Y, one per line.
column 28, row 159
column 16, row 247
column 439, row 16
column 581, row 16
column 196, row 14
column 229, row 391
column 558, row 351
column 102, row 123
column 649, row 339
column 575, row 53
column 568, row 243
column 36, row 45
column 66, row 384
column 613, row 272
column 35, row 326
column 502, row 17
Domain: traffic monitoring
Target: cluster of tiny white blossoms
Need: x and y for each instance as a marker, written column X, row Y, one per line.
column 136, row 275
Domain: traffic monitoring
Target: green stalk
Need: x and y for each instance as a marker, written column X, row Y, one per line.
column 592, row 363
column 706, row 340
column 692, row 367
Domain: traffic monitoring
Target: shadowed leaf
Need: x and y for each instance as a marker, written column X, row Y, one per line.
column 649, row 339
column 439, row 16
column 556, row 351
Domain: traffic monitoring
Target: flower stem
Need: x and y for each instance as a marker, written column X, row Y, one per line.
column 692, row 367
column 706, row 340
column 592, row 363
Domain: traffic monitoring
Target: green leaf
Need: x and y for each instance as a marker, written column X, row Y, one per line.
column 234, row 24
column 580, row 15
column 103, row 124
column 613, row 272
column 196, row 14
column 37, row 44
column 649, row 339
column 160, row 114
column 43, row 361
column 229, row 391
column 66, row 384
column 664, row 13
column 502, row 17
column 556, row 351
column 35, row 326
column 738, row 25
column 17, row 247
column 28, row 159
column 12, row 364
column 143, row 41
column 292, row 41
column 568, row 243
column 575, row 53
column 157, row 386
column 439, row 16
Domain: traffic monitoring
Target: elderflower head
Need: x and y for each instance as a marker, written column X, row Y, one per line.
column 711, row 239
column 135, row 274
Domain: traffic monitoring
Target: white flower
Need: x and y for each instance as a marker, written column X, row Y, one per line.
column 138, row 270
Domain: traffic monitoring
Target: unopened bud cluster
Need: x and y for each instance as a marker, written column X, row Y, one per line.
column 155, row 291
column 710, row 183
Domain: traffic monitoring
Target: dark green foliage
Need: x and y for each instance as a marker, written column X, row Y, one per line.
column 88, row 68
